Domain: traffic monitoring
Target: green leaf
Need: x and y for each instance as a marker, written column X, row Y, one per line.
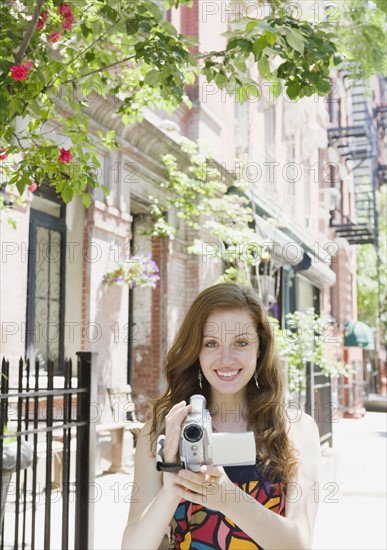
column 5, row 65
column 86, row 199
column 270, row 37
column 220, row 79
column 67, row 194
column 153, row 77
column 244, row 44
column 313, row 77
column 259, row 45
column 292, row 91
column 240, row 64
column 132, row 26
column 251, row 25
column 111, row 14
column 231, row 44
column 252, row 90
column 155, row 10
column 295, row 40
column 266, row 27
column 85, row 30
column 264, row 67
column 20, row 185
column 323, row 87
column 110, row 134
column 276, row 88
column 169, row 28
column 35, row 107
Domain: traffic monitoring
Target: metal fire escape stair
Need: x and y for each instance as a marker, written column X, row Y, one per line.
column 356, row 144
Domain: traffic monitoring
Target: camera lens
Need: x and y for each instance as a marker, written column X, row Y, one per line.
column 193, row 433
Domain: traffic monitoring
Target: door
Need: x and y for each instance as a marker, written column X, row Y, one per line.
column 46, row 290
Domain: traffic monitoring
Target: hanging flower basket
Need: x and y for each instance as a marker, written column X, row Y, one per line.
column 138, row 272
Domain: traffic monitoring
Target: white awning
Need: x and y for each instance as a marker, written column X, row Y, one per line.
column 284, row 250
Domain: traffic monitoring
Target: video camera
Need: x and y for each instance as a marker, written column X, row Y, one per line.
column 199, row 446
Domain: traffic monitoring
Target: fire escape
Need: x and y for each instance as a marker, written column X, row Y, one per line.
column 381, row 123
column 357, row 145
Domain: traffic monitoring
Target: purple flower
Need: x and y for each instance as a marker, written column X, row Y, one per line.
column 139, row 271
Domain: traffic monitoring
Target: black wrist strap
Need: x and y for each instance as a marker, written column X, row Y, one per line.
column 162, row 466
column 169, row 466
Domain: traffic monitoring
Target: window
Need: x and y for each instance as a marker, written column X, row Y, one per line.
column 46, row 286
column 307, row 295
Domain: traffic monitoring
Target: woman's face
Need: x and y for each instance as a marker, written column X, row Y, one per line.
column 229, row 352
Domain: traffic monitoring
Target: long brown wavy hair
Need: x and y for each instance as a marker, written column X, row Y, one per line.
column 265, row 412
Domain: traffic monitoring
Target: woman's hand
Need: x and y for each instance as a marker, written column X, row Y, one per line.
column 173, row 423
column 211, row 487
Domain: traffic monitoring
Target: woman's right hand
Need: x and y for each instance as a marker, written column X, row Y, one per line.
column 173, row 423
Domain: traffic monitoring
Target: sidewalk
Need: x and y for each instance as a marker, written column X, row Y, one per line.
column 357, row 521
column 352, row 510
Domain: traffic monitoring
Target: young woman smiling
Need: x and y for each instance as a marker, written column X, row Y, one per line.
column 225, row 351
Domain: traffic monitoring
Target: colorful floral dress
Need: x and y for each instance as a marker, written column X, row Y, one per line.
column 195, row 527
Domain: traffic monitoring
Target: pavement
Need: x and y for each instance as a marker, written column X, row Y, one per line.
column 352, row 494
column 354, row 518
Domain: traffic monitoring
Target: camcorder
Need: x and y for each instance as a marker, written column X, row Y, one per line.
column 199, row 446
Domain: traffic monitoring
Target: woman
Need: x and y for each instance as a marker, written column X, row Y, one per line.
column 225, row 351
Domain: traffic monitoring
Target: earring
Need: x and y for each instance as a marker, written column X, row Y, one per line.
column 256, row 379
column 200, row 378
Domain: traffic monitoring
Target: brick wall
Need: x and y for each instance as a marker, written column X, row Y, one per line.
column 342, row 291
column 105, row 309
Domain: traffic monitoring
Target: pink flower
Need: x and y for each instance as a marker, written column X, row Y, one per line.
column 54, row 36
column 42, row 20
column 65, row 155
column 68, row 22
column 29, row 64
column 31, row 188
column 3, row 155
column 19, row 72
column 64, row 9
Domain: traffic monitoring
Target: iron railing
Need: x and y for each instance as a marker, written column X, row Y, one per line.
column 55, row 423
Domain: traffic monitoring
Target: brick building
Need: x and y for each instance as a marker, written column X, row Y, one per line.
column 53, row 300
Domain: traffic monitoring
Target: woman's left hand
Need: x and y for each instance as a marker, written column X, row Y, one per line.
column 211, row 487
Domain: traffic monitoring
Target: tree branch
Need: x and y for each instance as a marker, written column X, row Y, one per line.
column 91, row 45
column 48, row 86
column 29, row 32
column 97, row 70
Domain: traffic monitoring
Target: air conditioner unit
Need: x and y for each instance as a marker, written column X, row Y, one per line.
column 329, row 198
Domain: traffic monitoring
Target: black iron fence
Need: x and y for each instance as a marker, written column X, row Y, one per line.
column 47, row 445
column 318, row 402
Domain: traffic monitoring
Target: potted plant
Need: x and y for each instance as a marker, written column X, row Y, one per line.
column 139, row 271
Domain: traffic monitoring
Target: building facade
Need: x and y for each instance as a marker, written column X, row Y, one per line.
column 54, row 302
